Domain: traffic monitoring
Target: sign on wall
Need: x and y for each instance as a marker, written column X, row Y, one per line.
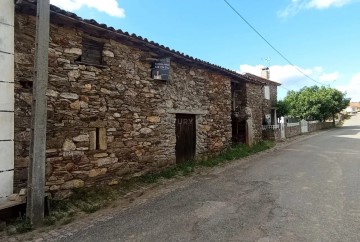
column 160, row 69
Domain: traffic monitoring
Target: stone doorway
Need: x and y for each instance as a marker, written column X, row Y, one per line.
column 238, row 131
column 185, row 137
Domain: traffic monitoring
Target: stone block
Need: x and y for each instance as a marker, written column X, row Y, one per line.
column 22, row 192
column 75, row 105
column 106, row 161
column 68, row 145
column 73, row 153
column 153, row 119
column 71, row 96
column 75, row 51
column 101, row 155
column 6, row 187
column 52, row 93
column 97, row 172
column 77, row 183
column 6, row 67
column 92, row 139
column 7, row 12
column 102, row 139
column 6, row 155
column 6, row 38
column 108, row 53
column 81, row 138
column 6, row 125
column 145, row 131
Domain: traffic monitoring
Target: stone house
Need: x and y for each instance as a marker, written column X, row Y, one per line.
column 254, row 101
column 118, row 105
column 353, row 108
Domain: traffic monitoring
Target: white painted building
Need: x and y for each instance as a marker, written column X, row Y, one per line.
column 6, row 97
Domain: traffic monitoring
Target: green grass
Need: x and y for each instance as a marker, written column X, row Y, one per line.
column 89, row 200
column 236, row 152
column 186, row 168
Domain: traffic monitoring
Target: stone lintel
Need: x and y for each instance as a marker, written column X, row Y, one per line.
column 180, row 111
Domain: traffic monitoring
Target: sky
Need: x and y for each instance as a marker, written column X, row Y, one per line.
column 321, row 38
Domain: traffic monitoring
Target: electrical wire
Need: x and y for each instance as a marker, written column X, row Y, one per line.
column 285, row 88
column 272, row 47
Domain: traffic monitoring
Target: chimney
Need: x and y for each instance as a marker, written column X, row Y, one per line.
column 265, row 73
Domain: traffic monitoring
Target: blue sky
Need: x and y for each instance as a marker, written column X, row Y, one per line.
column 321, row 37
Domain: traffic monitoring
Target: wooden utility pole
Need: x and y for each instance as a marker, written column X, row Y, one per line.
column 36, row 178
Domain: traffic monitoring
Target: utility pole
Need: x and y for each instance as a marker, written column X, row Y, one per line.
column 36, row 176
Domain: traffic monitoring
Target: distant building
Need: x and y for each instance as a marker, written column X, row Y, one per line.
column 353, row 108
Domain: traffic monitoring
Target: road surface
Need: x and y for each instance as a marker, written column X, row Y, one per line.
column 306, row 191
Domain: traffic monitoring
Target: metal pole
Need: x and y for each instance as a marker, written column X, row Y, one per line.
column 36, row 178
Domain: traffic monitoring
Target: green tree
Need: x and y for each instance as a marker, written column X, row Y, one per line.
column 316, row 103
column 333, row 102
column 282, row 108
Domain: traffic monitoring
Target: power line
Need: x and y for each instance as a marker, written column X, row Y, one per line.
column 284, row 88
column 272, row 47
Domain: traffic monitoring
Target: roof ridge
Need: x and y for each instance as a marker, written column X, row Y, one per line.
column 93, row 22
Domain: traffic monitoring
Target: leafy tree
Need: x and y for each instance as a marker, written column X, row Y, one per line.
column 316, row 103
column 282, row 108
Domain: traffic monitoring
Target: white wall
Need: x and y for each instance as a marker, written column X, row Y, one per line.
column 6, row 98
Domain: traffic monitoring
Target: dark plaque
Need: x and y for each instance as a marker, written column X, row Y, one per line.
column 160, row 69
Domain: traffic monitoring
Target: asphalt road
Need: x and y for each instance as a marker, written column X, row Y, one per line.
column 306, row 191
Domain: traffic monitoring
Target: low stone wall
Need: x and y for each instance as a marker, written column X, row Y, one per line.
column 314, row 126
column 327, row 125
column 291, row 131
column 271, row 134
column 321, row 125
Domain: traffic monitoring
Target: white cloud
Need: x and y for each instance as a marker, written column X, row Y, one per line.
column 330, row 77
column 352, row 88
column 292, row 9
column 109, row 7
column 297, row 5
column 292, row 79
column 288, row 75
column 319, row 4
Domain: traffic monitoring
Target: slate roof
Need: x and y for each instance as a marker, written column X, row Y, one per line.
column 138, row 39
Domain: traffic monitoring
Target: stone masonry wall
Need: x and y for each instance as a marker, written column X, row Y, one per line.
column 314, row 126
column 113, row 122
column 269, row 104
column 271, row 134
column 320, row 125
column 255, row 100
column 291, row 131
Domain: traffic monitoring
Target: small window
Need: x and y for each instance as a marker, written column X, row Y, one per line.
column 92, row 51
column 267, row 92
column 98, row 140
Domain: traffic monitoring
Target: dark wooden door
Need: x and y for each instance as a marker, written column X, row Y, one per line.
column 185, row 137
column 238, row 131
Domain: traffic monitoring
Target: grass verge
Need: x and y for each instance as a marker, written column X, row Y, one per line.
column 92, row 199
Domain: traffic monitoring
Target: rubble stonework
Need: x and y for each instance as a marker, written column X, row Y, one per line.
column 255, row 101
column 110, row 122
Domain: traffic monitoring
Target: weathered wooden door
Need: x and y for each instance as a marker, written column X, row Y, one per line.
column 185, row 137
column 238, row 131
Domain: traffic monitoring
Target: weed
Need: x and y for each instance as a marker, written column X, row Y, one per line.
column 50, row 220
column 21, row 225
column 67, row 220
